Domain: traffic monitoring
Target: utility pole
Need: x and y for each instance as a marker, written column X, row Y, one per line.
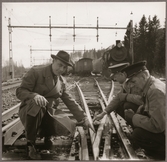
column 131, row 38
column 31, row 64
column 11, row 66
column 50, row 35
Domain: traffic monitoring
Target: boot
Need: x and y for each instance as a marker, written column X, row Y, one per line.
column 32, row 152
column 48, row 142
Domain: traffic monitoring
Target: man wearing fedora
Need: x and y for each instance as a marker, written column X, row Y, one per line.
column 39, row 92
column 127, row 97
column 149, row 121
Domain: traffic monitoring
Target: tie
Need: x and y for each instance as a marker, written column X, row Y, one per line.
column 55, row 78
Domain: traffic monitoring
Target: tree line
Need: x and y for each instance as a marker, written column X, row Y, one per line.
column 149, row 44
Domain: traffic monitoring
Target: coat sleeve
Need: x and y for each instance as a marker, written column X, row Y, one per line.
column 25, row 90
column 72, row 105
column 136, row 99
column 113, row 105
column 155, row 121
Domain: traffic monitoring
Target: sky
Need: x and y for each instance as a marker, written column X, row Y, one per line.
column 110, row 14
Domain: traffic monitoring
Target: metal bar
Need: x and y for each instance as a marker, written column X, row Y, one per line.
column 66, row 27
column 73, row 148
column 107, row 147
column 84, row 145
column 52, row 50
column 6, row 127
column 8, row 113
column 96, row 143
column 12, row 133
column 85, row 107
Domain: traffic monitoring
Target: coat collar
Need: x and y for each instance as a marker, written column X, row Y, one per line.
column 147, row 85
column 47, row 73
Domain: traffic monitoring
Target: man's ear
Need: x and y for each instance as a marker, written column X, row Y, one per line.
column 124, row 74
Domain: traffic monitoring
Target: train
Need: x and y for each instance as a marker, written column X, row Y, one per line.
column 111, row 56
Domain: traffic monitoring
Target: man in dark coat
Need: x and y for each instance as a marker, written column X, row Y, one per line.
column 128, row 97
column 39, row 92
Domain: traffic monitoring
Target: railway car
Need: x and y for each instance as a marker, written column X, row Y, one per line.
column 84, row 66
column 97, row 65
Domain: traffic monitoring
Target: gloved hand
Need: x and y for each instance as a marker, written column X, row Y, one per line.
column 129, row 115
column 122, row 96
column 140, row 109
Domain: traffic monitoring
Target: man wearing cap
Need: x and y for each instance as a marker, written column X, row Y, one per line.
column 39, row 92
column 149, row 120
column 128, row 98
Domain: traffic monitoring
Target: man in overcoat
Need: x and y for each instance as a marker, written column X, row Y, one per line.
column 39, row 92
column 149, row 121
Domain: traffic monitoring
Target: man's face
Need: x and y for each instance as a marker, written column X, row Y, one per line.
column 119, row 77
column 58, row 67
column 137, row 81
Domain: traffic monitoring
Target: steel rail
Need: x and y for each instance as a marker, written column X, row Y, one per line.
column 85, row 107
column 8, row 113
column 97, row 141
column 10, row 86
column 92, row 129
column 126, row 143
column 84, row 155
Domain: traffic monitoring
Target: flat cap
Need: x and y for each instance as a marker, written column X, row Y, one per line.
column 135, row 68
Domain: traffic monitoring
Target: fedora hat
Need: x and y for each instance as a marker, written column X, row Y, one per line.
column 64, row 57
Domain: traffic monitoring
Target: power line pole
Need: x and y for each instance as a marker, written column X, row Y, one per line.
column 131, row 38
column 11, row 66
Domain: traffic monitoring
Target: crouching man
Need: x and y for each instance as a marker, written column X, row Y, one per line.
column 39, row 92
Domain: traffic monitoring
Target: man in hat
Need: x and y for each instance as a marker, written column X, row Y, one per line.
column 128, row 97
column 149, row 120
column 39, row 92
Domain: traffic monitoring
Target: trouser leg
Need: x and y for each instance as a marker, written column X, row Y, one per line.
column 153, row 143
column 130, row 105
column 33, row 124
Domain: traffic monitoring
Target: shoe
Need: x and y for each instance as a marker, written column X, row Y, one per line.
column 48, row 142
column 32, row 152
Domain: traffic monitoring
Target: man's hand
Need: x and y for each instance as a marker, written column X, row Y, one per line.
column 129, row 115
column 87, row 125
column 40, row 100
column 140, row 109
column 99, row 116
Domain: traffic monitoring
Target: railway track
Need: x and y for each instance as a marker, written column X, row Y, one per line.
column 105, row 140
